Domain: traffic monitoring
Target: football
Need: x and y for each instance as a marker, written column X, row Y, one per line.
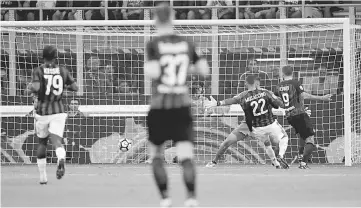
column 124, row 145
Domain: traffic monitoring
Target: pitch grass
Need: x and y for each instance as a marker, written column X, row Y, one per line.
column 119, row 185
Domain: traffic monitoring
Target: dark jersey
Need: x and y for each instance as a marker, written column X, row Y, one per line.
column 52, row 79
column 290, row 91
column 175, row 55
column 257, row 106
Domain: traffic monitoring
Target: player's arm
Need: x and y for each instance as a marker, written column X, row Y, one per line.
column 308, row 96
column 229, row 101
column 70, row 82
column 200, row 63
column 151, row 66
column 275, row 101
column 34, row 86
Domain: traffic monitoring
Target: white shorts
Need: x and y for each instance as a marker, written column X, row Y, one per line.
column 274, row 131
column 54, row 124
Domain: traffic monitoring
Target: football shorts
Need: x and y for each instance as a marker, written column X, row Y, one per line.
column 170, row 124
column 54, row 124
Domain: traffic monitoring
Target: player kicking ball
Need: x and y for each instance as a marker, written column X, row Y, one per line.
column 241, row 133
column 259, row 121
column 169, row 57
column 49, row 82
column 293, row 95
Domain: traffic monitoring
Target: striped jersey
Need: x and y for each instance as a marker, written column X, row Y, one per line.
column 174, row 55
column 52, row 79
column 257, row 106
column 290, row 91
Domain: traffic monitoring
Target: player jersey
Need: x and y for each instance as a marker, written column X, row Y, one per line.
column 175, row 55
column 290, row 91
column 257, row 106
column 52, row 79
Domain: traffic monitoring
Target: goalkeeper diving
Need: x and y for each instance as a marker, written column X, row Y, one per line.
column 257, row 104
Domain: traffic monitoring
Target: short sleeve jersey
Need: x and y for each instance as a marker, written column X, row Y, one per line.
column 291, row 93
column 174, row 55
column 52, row 79
column 257, row 106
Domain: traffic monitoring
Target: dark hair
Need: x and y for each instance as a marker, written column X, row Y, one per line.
column 251, row 79
column 251, row 59
column 49, row 53
column 287, row 70
column 163, row 12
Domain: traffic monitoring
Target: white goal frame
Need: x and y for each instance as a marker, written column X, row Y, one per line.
column 343, row 22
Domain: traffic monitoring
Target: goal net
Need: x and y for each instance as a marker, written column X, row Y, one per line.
column 106, row 58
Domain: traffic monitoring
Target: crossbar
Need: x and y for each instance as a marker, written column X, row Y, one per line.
column 307, row 21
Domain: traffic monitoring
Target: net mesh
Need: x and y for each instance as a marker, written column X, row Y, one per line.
column 107, row 63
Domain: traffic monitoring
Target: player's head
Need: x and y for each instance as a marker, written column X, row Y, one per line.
column 251, row 81
column 198, row 88
column 74, row 105
column 287, row 71
column 49, row 53
column 163, row 15
column 252, row 64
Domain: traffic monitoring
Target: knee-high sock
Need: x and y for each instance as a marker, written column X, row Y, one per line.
column 283, row 144
column 42, row 168
column 60, row 153
column 270, row 152
column 160, row 176
column 189, row 176
column 309, row 147
column 59, row 149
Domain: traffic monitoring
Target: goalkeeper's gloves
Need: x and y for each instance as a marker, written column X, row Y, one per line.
column 210, row 103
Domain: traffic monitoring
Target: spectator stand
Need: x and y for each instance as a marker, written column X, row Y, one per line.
column 214, row 57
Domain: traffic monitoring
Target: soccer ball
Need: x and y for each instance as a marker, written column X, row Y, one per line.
column 124, row 145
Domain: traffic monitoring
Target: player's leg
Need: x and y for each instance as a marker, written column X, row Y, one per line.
column 262, row 133
column 301, row 148
column 307, row 134
column 41, row 160
column 159, row 172
column 184, row 137
column 185, row 156
column 56, row 132
column 158, row 133
column 270, row 152
column 280, row 137
column 294, row 122
column 230, row 140
column 41, row 128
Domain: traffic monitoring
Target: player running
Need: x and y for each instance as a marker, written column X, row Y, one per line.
column 241, row 133
column 293, row 95
column 169, row 57
column 49, row 82
column 257, row 105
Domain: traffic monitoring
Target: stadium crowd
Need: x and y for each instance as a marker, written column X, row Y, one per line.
column 116, row 76
column 247, row 11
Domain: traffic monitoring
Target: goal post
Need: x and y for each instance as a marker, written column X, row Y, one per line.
column 114, row 92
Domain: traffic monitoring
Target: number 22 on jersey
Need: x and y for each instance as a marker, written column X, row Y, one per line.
column 175, row 69
column 56, row 82
column 258, row 105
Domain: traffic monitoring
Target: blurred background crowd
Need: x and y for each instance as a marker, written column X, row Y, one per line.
column 127, row 9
